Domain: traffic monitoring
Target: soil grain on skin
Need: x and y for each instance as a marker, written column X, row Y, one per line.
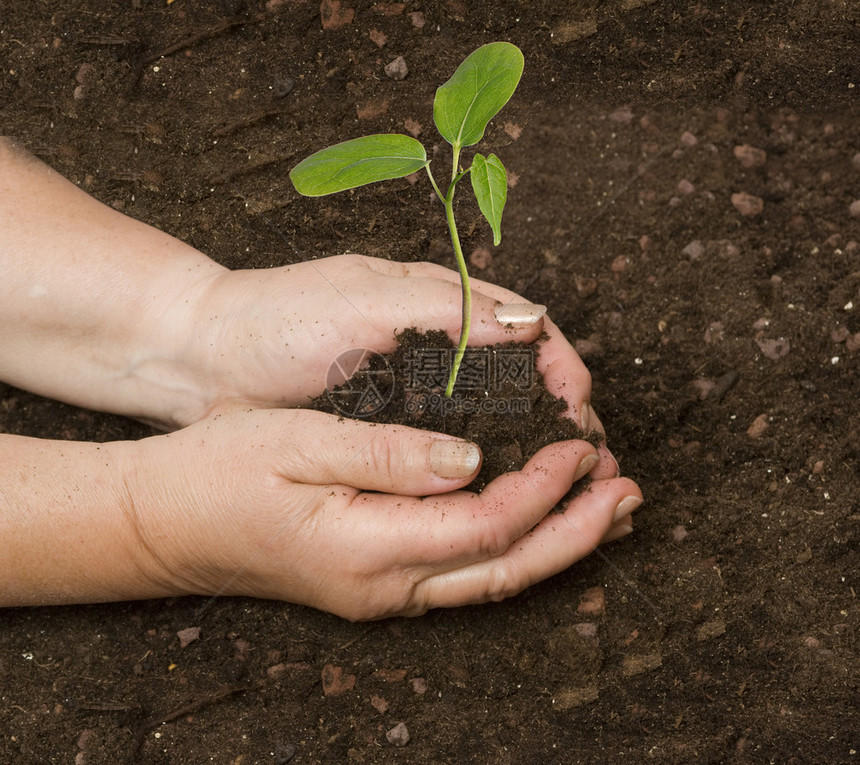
column 683, row 197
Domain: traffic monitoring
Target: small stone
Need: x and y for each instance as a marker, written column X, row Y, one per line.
column 83, row 71
column 749, row 156
column 587, row 348
column 413, row 127
column 378, row 38
column 854, row 209
column 276, row 671
column 379, row 704
column 679, row 533
column 419, row 685
column 644, row 242
column 335, row 682
column 284, row 752
column 571, row 698
column 283, row 86
column 398, row 735
column 759, row 426
column 371, row 109
column 481, row 257
column 570, row 31
column 86, row 738
column 397, row 69
column 688, row 139
column 619, row 265
column 636, row 664
column 333, row 16
column 587, row 631
column 685, row 187
column 704, row 386
column 593, row 601
column 188, row 635
column 694, row 250
column 623, row 115
column 715, row 332
column 710, row 630
column 513, row 130
column 774, row 349
column 748, row 205
column 586, row 286
column 418, row 20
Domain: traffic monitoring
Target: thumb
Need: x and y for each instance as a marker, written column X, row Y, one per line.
column 388, row 458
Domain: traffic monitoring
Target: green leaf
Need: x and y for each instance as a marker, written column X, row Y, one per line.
column 476, row 92
column 358, row 162
column 490, row 183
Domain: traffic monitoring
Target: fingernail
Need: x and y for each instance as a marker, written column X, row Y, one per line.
column 585, row 415
column 625, row 507
column 454, row 459
column 586, row 465
column 617, row 532
column 519, row 314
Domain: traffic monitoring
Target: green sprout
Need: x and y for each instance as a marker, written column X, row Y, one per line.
column 463, row 106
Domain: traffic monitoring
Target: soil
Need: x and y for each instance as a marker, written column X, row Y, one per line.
column 684, row 199
column 499, row 400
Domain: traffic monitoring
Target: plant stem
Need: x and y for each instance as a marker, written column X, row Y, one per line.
column 433, row 181
column 466, row 321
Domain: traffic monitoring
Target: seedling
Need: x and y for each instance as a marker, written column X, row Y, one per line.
column 463, row 106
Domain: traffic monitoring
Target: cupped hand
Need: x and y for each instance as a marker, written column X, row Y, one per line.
column 362, row 520
column 268, row 337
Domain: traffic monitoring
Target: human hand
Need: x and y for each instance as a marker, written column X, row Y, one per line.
column 350, row 517
column 267, row 338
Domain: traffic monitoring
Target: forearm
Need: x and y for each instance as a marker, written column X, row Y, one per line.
column 68, row 529
column 92, row 303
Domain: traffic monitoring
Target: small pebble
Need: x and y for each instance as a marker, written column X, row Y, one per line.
column 758, row 427
column 774, row 349
column 685, row 187
column 397, row 69
column 283, row 86
column 481, row 257
column 854, row 209
column 418, row 19
column 747, row 205
column 593, row 601
column 749, row 156
column 694, row 250
column 378, row 38
column 398, row 735
column 188, row 635
column 623, row 115
column 679, row 533
column 688, row 139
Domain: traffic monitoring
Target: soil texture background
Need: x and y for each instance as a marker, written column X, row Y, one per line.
column 684, row 199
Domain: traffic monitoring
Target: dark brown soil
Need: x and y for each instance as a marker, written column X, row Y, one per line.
column 499, row 401
column 725, row 629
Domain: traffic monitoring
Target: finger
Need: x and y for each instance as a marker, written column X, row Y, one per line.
column 450, row 531
column 556, row 543
column 498, row 315
column 607, row 467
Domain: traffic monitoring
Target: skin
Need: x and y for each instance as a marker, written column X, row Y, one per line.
column 251, row 495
